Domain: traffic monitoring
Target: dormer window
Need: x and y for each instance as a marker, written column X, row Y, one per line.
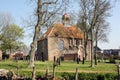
column 61, row 45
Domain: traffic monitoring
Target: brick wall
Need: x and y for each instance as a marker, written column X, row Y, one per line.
column 48, row 48
column 70, row 56
column 53, row 48
column 42, row 50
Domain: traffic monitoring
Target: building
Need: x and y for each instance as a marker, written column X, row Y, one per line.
column 97, row 49
column 18, row 55
column 62, row 40
column 115, row 53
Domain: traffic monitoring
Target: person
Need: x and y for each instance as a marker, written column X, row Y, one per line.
column 80, row 52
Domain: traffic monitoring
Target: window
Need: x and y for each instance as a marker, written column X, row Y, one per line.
column 61, row 45
column 78, row 42
column 70, row 41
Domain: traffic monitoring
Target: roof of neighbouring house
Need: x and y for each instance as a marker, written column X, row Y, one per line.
column 97, row 48
column 59, row 30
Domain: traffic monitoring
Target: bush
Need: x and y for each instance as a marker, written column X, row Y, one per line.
column 111, row 60
column 90, row 76
column 110, row 76
column 71, row 76
column 68, row 76
column 5, row 56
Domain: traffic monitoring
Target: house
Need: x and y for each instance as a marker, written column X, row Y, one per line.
column 99, row 52
column 18, row 55
column 97, row 49
column 61, row 40
column 115, row 53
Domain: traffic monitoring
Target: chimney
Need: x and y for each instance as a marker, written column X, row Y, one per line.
column 66, row 20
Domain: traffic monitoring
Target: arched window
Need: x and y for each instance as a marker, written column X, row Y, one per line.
column 61, row 45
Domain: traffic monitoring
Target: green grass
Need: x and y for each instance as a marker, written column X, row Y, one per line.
column 66, row 66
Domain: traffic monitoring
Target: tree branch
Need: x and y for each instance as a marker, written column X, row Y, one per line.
column 52, row 2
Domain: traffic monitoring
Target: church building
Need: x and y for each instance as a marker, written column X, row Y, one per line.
column 62, row 40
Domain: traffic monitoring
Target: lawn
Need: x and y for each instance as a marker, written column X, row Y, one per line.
column 66, row 66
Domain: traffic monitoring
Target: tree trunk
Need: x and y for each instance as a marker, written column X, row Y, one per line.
column 36, row 34
column 85, row 44
column 76, row 74
column 54, row 65
column 32, row 51
column 96, row 50
column 92, row 51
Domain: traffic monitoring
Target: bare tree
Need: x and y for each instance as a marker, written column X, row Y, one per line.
column 101, row 31
column 83, row 26
column 91, row 12
column 5, row 19
column 46, row 11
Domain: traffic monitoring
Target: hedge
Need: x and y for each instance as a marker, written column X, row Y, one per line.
column 71, row 76
column 90, row 76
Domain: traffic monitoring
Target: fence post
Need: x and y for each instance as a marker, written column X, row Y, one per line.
column 47, row 71
column 76, row 74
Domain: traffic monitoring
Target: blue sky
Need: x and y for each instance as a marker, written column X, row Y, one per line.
column 22, row 9
column 17, row 8
column 114, row 20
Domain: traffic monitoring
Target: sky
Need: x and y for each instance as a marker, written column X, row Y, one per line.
column 22, row 9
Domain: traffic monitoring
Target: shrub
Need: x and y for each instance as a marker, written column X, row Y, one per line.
column 111, row 60
column 90, row 76
column 71, row 76
column 68, row 76
column 110, row 76
column 5, row 56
